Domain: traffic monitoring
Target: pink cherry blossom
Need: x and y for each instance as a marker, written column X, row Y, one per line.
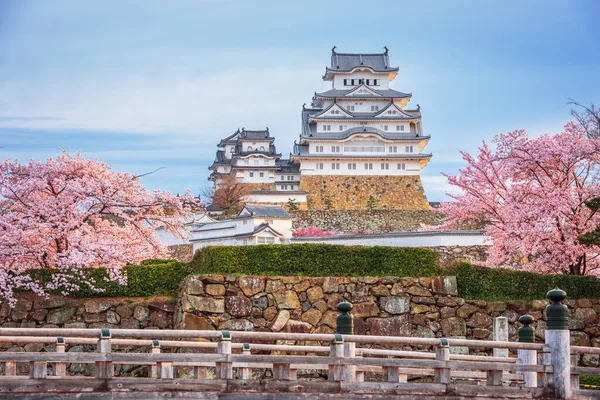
column 311, row 231
column 71, row 213
column 529, row 194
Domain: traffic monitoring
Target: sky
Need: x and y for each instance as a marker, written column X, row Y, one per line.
column 144, row 85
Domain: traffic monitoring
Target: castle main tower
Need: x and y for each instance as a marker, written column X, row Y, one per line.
column 359, row 146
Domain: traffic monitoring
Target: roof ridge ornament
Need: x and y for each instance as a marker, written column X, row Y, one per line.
column 386, row 50
column 333, row 49
column 304, row 106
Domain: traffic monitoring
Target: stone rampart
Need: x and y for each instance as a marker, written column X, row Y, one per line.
column 379, row 221
column 352, row 192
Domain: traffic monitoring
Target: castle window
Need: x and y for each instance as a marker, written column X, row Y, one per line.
column 345, row 82
column 320, row 165
column 368, row 81
column 350, row 108
column 409, row 149
column 351, row 165
column 352, row 82
column 335, row 165
column 246, row 162
column 290, row 178
column 262, row 148
column 393, row 149
column 292, row 187
column 385, row 127
column 374, row 108
column 256, row 162
column 265, row 240
column 281, row 177
column 361, row 81
column 319, row 149
column 326, row 127
column 249, row 148
column 385, row 166
column 231, row 150
column 262, row 174
column 245, row 222
column 401, row 166
column 335, row 149
column 251, row 174
column 368, row 165
column 375, row 82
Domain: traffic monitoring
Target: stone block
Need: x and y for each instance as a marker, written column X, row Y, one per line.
column 215, row 290
column 367, row 309
column 314, row 294
column 206, row 304
column 395, row 304
column 418, row 291
column 287, row 300
column 445, row 285
column 393, row 326
column 238, row 306
column 312, row 316
column 141, row 313
column 236, row 325
column 454, row 326
column 466, row 310
column 251, row 285
column 282, row 318
column 60, row 316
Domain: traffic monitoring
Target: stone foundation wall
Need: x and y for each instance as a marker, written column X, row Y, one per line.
column 379, row 221
column 424, row 307
column 347, row 192
column 451, row 254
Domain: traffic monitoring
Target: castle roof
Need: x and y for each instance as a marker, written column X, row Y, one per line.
column 400, row 114
column 372, row 93
column 346, row 62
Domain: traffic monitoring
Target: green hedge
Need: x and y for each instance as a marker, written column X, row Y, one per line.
column 152, row 277
column 479, row 283
column 316, row 260
column 589, row 380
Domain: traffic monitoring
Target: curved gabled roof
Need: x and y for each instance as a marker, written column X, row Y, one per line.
column 367, row 130
column 379, row 93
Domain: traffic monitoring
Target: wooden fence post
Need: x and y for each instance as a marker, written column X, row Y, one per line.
column 349, row 370
column 558, row 340
column 544, row 378
column 224, row 369
column 246, row 372
column 60, row 368
column 336, row 371
column 104, row 369
column 525, row 356
column 442, row 353
column 574, row 377
column 500, row 335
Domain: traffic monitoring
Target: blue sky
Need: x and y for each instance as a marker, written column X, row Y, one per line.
column 150, row 84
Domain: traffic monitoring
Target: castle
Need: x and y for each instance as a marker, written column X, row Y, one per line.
column 359, row 147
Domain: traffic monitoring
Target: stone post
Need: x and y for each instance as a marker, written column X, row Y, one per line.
column 494, row 378
column 345, row 326
column 527, row 335
column 558, row 340
column 155, row 350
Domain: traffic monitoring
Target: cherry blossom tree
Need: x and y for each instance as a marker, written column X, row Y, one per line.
column 71, row 213
column 530, row 196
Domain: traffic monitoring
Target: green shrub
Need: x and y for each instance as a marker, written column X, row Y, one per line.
column 147, row 279
column 591, row 380
column 480, row 283
column 316, row 260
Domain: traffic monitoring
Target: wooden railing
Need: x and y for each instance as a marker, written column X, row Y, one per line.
column 229, row 358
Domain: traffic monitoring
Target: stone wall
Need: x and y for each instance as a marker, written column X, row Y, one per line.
column 101, row 312
column 345, row 192
column 424, row 307
column 451, row 254
column 380, row 221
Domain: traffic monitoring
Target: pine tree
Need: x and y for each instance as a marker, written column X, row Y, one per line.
column 371, row 203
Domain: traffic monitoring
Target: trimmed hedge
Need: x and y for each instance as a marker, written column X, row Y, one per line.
column 316, row 260
column 480, row 283
column 161, row 277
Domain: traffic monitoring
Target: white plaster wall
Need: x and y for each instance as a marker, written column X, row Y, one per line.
column 412, row 168
column 401, row 241
column 383, row 83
